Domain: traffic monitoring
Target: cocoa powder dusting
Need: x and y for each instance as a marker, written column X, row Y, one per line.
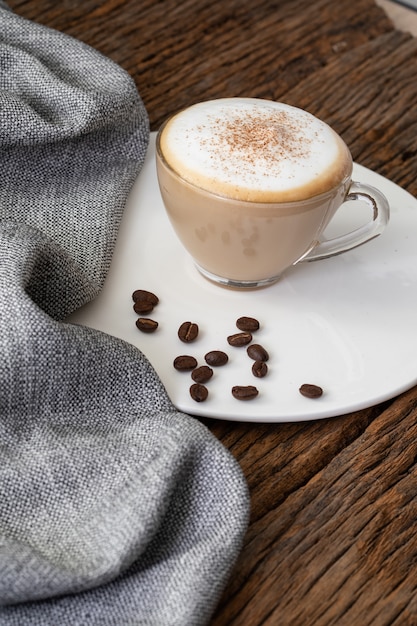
column 256, row 136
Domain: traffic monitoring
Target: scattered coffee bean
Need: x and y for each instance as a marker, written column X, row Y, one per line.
column 188, row 331
column 257, row 352
column 142, row 306
column 311, row 391
column 184, row 362
column 202, row 374
column 244, row 393
column 198, row 392
column 216, row 358
column 247, row 323
column 146, row 325
column 141, row 295
column 239, row 339
column 259, row 369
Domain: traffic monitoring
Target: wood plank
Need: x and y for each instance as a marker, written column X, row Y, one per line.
column 340, row 548
column 278, row 459
column 179, row 53
column 374, row 105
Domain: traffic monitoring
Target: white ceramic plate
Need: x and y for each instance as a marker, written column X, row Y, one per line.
column 345, row 323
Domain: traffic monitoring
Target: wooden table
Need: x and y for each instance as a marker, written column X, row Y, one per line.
column 333, row 533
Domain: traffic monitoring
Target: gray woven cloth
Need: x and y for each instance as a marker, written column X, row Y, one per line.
column 115, row 508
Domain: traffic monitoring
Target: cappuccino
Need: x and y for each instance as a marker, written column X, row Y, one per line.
column 255, row 150
column 250, row 185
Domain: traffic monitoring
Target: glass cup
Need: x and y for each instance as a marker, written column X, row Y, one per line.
column 249, row 239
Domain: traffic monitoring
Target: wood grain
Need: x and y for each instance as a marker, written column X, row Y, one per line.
column 338, row 544
column 332, row 539
column 374, row 107
column 180, row 52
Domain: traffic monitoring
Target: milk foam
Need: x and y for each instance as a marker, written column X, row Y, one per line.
column 256, row 150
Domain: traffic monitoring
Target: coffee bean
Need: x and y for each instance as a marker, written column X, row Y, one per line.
column 244, row 393
column 257, row 352
column 188, row 331
column 142, row 306
column 202, row 374
column 247, row 323
column 198, row 392
column 216, row 358
column 311, row 391
column 141, row 295
column 259, row 369
column 146, row 325
column 185, row 362
column 239, row 339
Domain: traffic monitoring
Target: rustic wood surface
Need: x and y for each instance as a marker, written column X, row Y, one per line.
column 333, row 533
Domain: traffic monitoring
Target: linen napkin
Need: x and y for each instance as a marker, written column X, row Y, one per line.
column 115, row 508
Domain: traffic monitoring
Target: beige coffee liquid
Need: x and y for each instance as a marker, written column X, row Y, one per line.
column 238, row 179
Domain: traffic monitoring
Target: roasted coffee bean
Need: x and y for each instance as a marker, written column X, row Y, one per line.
column 198, row 392
column 146, row 325
column 142, row 306
column 257, row 352
column 216, row 358
column 247, row 323
column 239, row 339
column 244, row 393
column 188, row 331
column 184, row 362
column 141, row 295
column 259, row 369
column 202, row 374
column 311, row 391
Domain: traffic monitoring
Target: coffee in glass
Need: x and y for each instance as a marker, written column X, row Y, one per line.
column 250, row 185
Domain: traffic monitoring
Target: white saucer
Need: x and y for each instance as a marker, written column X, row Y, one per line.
column 345, row 323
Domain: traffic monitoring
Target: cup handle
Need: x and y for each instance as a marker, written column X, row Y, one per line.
column 377, row 202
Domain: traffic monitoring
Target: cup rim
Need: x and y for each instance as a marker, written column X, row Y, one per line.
column 290, row 203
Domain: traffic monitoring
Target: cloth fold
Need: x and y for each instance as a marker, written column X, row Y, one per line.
column 73, row 136
column 115, row 508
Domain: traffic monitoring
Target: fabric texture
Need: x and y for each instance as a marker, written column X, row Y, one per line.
column 115, row 508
